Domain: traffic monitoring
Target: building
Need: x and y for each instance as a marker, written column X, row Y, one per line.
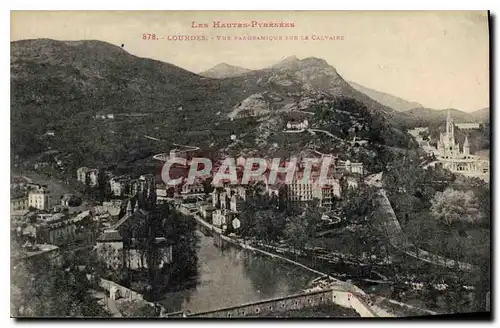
column 19, row 215
column 62, row 229
column 35, row 252
column 121, row 246
column 227, row 203
column 194, row 188
column 348, row 166
column 457, row 160
column 19, row 203
column 161, row 193
column 222, row 218
column 299, row 191
column 93, row 179
column 206, row 212
column 119, row 186
column 468, row 126
column 39, row 198
column 81, row 174
column 291, row 125
column 68, row 200
column 113, row 207
column 236, row 202
column 88, row 176
column 109, row 246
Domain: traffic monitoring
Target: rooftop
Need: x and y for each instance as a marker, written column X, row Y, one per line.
column 38, row 249
column 110, row 236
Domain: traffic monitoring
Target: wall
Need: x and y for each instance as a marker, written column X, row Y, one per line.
column 123, row 292
column 346, row 294
column 293, row 302
column 342, row 298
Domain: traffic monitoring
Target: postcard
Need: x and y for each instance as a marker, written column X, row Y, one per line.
column 250, row 164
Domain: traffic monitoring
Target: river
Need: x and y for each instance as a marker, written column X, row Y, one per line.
column 230, row 276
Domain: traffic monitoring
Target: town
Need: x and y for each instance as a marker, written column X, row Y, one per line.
column 150, row 181
column 126, row 223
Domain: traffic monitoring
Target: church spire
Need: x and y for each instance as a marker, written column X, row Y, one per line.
column 466, row 146
column 450, row 130
column 129, row 207
column 449, row 123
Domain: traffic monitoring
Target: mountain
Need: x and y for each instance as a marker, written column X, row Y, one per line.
column 89, row 74
column 386, row 99
column 438, row 115
column 62, row 85
column 223, row 70
column 482, row 115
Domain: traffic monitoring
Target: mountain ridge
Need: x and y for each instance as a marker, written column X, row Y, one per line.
column 62, row 85
column 395, row 102
column 224, row 70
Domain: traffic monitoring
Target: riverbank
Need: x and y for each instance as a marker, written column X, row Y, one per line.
column 357, row 295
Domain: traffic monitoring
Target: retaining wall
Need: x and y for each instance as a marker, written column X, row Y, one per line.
column 123, row 292
column 342, row 298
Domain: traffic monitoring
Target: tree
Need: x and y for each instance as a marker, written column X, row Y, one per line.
column 46, row 290
column 264, row 217
column 296, row 232
column 453, row 206
column 357, row 204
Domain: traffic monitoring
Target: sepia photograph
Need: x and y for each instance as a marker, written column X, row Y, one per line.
column 250, row 164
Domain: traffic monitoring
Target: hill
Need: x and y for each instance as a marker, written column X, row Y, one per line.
column 223, row 70
column 386, row 99
column 432, row 116
column 61, row 86
column 482, row 115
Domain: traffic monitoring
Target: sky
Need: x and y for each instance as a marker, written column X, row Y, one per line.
column 439, row 59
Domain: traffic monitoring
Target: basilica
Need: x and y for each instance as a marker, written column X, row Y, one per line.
column 448, row 147
column 456, row 160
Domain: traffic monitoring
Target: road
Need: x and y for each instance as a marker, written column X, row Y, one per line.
column 327, row 133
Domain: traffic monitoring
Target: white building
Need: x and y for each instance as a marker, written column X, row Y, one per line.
column 456, row 160
column 297, row 125
column 119, row 186
column 468, row 126
column 39, row 198
column 81, row 174
column 304, row 191
column 93, row 177
column 88, row 176
column 348, row 166
column 193, row 188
